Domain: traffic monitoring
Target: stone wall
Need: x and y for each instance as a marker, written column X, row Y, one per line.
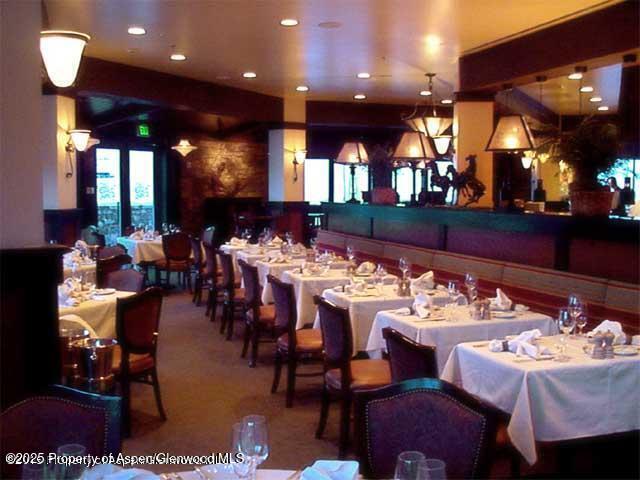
column 236, row 167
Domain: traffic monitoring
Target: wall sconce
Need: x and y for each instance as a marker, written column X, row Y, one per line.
column 299, row 157
column 79, row 141
column 61, row 52
column 184, row 148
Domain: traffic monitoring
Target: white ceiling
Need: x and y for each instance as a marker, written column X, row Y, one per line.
column 397, row 41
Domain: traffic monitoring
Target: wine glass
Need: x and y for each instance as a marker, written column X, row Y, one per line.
column 407, row 465
column 581, row 322
column 241, row 468
column 351, row 253
column 454, row 290
column 254, row 440
column 404, row 266
column 575, row 306
column 288, row 236
column 379, row 276
column 432, row 469
column 566, row 323
column 36, row 471
column 471, row 282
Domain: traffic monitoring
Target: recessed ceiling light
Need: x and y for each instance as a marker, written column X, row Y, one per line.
column 302, row 88
column 133, row 30
column 359, row 96
column 446, row 101
column 363, row 75
column 586, row 89
column 603, row 108
column 595, row 99
column 249, row 75
column 425, row 93
column 575, row 76
column 289, row 22
column 178, row 57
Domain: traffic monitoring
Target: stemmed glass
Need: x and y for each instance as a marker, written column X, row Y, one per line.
column 454, row 290
column 241, row 468
column 405, row 266
column 575, row 306
column 351, row 253
column 378, row 277
column 408, row 465
column 288, row 236
column 254, row 441
column 72, row 471
column 432, row 469
column 471, row 282
column 566, row 323
column 581, row 322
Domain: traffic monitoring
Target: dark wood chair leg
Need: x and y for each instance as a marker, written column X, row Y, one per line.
column 292, row 364
column 156, row 392
column 213, row 298
column 208, row 309
column 187, row 276
column 345, row 423
column 277, row 371
column 247, row 339
column 324, row 412
column 255, row 341
column 223, row 318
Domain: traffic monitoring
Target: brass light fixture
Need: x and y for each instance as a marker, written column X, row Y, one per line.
column 353, row 154
column 299, row 157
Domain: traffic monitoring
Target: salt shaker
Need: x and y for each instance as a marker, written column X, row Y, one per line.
column 608, row 339
column 598, row 350
column 476, row 310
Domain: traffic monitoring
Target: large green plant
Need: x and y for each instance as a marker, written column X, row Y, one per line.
column 590, row 150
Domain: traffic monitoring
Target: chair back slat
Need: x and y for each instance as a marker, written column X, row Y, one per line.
column 105, row 266
column 426, row 415
column 284, row 298
column 251, row 283
column 336, row 333
column 137, row 321
column 226, row 265
column 208, row 234
column 211, row 261
column 176, row 246
column 409, row 359
column 111, row 251
column 196, row 248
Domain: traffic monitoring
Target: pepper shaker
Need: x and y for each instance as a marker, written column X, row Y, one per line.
column 598, row 350
column 608, row 339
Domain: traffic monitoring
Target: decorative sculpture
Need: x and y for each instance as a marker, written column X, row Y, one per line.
column 466, row 182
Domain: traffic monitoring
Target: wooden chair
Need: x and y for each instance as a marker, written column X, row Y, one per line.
column 92, row 236
column 197, row 266
column 409, row 359
column 259, row 319
column 342, row 375
column 137, row 322
column 60, row 416
column 426, row 415
column 232, row 296
column 128, row 280
column 210, row 277
column 177, row 253
column 111, row 251
column 208, row 235
column 293, row 346
column 106, row 266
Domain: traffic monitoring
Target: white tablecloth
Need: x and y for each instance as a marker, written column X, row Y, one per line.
column 457, row 328
column 142, row 250
column 363, row 308
column 265, row 474
column 548, row 400
column 275, row 269
column 99, row 314
column 88, row 270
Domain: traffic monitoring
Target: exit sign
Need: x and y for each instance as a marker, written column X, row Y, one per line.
column 143, row 130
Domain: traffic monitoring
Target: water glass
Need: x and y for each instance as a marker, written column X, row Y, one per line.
column 241, row 469
column 254, row 440
column 75, row 470
column 36, row 471
column 575, row 306
column 581, row 322
column 404, row 266
column 407, row 465
column 566, row 323
column 432, row 469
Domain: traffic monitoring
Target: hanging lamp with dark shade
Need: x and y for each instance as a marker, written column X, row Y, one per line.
column 510, row 135
column 353, row 154
column 413, row 148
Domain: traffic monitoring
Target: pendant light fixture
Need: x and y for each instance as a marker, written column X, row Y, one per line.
column 413, row 148
column 353, row 154
column 511, row 134
column 184, row 148
column 61, row 52
column 530, row 155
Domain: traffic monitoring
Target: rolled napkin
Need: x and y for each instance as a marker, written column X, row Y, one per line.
column 137, row 235
column 366, row 267
column 107, row 471
column 422, row 305
column 523, row 344
column 237, row 242
column 276, row 240
column 616, row 329
column 404, row 311
column 501, row 301
column 278, row 259
column 356, row 287
column 423, row 282
column 331, row 470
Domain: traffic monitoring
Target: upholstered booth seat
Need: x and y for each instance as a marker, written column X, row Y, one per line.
column 365, row 374
column 307, row 340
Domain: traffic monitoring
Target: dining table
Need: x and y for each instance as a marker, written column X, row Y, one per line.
column 551, row 400
column 87, row 270
column 142, row 251
column 99, row 312
column 448, row 326
column 261, row 474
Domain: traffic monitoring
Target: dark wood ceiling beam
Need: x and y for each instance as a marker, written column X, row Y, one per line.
column 516, row 101
column 103, row 77
column 608, row 31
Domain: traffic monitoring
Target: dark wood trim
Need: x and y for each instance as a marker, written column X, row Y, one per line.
column 604, row 32
column 104, row 77
column 516, row 101
column 479, row 96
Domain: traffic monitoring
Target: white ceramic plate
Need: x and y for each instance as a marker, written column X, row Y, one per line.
column 499, row 314
column 104, row 291
column 625, row 350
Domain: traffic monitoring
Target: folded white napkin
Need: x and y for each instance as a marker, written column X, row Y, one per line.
column 237, row 242
column 501, row 301
column 276, row 240
column 521, row 308
column 422, row 305
column 66, row 291
column 366, row 267
column 278, row 259
column 82, row 247
column 137, row 235
column 635, row 340
column 356, row 287
column 404, row 311
column 423, row 282
column 331, row 470
column 614, row 327
column 107, row 471
column 523, row 344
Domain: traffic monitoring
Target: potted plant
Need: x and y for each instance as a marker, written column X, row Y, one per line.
column 589, row 150
column 381, row 174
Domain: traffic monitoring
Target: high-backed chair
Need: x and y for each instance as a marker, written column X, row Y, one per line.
column 197, row 265
column 409, row 359
column 128, row 280
column 259, row 319
column 111, row 251
column 60, row 416
column 177, row 253
column 343, row 375
column 293, row 345
column 426, row 415
column 233, row 297
column 208, row 235
column 107, row 265
column 137, row 322
column 210, row 277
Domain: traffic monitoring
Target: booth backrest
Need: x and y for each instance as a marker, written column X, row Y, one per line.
column 543, row 289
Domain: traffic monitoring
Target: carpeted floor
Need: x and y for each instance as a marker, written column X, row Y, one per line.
column 206, row 387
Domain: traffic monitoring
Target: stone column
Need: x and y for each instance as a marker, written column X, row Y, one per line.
column 473, row 124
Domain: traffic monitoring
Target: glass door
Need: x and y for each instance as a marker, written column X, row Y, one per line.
column 108, row 193
column 141, row 191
